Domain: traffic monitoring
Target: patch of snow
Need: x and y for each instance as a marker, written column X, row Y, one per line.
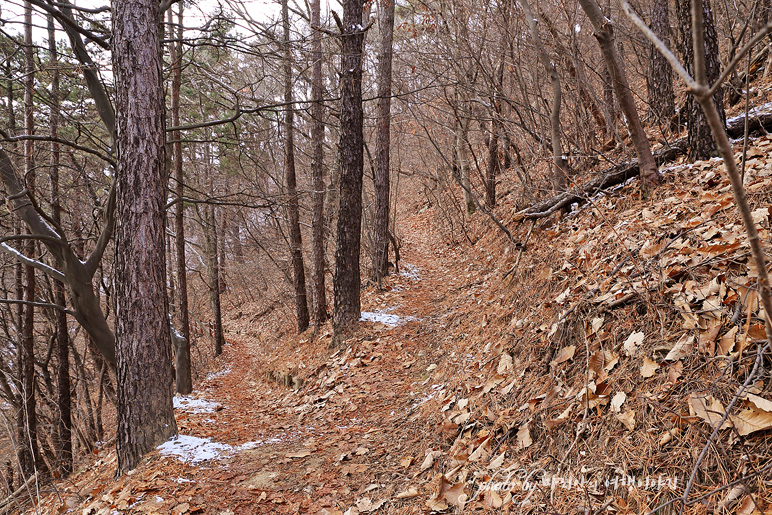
column 385, row 318
column 193, row 405
column 410, row 271
column 218, row 375
column 762, row 109
column 192, row 450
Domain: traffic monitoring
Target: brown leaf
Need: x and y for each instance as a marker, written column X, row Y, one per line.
column 627, row 419
column 751, row 420
column 649, row 367
column 708, row 409
column 564, row 355
column 524, row 436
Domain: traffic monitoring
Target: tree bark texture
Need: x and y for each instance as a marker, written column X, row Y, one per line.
column 145, row 380
column 27, row 446
column 660, row 79
column 701, row 142
column 604, row 33
column 64, row 397
column 383, row 145
column 347, row 281
column 296, row 239
column 183, row 378
column 318, row 232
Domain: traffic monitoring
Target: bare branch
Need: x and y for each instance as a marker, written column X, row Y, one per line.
column 56, row 274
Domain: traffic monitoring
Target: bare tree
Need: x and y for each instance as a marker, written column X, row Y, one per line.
column 183, row 379
column 660, row 77
column 64, row 396
column 296, row 242
column 604, row 33
column 383, row 144
column 317, row 171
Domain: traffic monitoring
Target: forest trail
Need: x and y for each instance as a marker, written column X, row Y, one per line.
column 347, row 437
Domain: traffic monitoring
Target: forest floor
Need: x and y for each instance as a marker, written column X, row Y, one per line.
column 611, row 362
column 349, row 437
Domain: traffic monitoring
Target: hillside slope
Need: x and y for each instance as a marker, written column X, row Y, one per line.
column 584, row 373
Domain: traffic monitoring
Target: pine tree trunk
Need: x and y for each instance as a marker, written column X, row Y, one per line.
column 64, row 397
column 383, row 145
column 347, row 281
column 296, row 241
column 700, row 139
column 183, row 379
column 145, row 380
column 660, row 79
column 318, row 225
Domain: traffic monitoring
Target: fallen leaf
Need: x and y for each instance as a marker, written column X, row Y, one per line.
column 497, row 462
column 751, row 420
column 552, row 423
column 361, row 451
column 407, row 494
column 429, row 460
column 760, row 402
column 649, row 367
column 627, row 419
column 453, row 494
column 406, row 461
column 668, row 435
column 632, row 342
column 366, row 505
column 726, row 342
column 708, row 409
column 524, row 436
column 675, row 371
column 617, row 401
column 682, row 348
column 492, row 500
column 564, row 355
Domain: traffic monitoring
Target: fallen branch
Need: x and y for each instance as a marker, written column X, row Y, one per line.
column 620, row 173
column 604, row 180
column 19, row 498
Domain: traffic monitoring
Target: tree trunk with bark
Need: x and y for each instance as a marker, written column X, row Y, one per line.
column 64, row 397
column 660, row 79
column 318, row 226
column 347, row 281
column 183, row 378
column 383, row 145
column 145, row 380
column 296, row 239
column 562, row 171
column 604, row 33
column 27, row 446
column 701, row 142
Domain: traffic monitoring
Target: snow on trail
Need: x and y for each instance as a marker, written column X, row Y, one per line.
column 193, row 450
column 383, row 316
column 195, row 406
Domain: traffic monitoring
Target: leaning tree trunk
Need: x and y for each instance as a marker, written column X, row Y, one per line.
column 64, row 397
column 317, row 172
column 296, row 242
column 660, row 79
column 183, row 379
column 701, row 142
column 145, row 381
column 383, row 146
column 347, row 281
column 604, row 33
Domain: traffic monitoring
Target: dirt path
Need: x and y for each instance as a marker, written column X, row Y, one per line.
column 352, row 434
